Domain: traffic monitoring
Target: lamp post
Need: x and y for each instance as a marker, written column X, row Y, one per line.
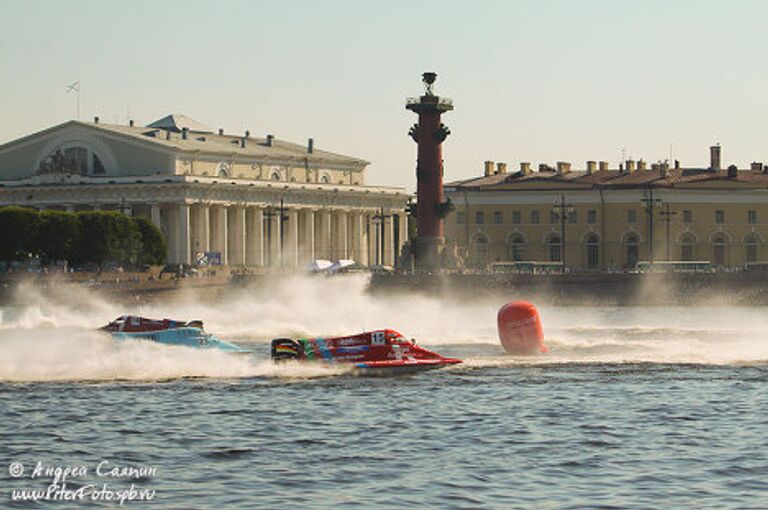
column 667, row 214
column 379, row 219
column 561, row 208
column 650, row 204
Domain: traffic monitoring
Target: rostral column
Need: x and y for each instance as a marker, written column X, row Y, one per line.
column 431, row 207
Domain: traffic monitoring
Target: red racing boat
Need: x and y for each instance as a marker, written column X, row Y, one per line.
column 380, row 352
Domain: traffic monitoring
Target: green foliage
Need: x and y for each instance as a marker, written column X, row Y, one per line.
column 18, row 230
column 106, row 236
column 78, row 238
column 56, row 235
column 153, row 247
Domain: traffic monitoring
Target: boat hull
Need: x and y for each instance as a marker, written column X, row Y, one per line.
column 194, row 338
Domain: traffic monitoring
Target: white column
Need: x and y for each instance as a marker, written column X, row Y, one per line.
column 236, row 236
column 308, row 245
column 291, row 255
column 254, row 237
column 374, row 257
column 359, row 242
column 389, row 241
column 341, row 237
column 324, row 247
column 154, row 215
column 183, row 237
column 219, row 232
column 202, row 229
column 277, row 235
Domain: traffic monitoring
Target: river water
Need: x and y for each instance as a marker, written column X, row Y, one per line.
column 642, row 407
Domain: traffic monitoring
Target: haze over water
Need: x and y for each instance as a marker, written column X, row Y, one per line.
column 646, row 407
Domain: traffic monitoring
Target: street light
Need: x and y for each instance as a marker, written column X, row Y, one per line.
column 650, row 204
column 562, row 209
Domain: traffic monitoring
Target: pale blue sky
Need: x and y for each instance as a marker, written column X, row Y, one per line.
column 537, row 81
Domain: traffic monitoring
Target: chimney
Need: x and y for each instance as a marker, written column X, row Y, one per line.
column 221, row 132
column 714, row 157
column 733, row 172
column 641, row 165
column 525, row 168
column 269, row 140
column 310, row 145
column 563, row 167
column 243, row 142
column 591, row 167
column 488, row 168
column 184, row 133
column 543, row 167
column 603, row 166
column 95, row 120
column 247, row 134
column 664, row 169
column 130, row 122
column 756, row 166
column 630, row 165
column 677, row 164
column 501, row 168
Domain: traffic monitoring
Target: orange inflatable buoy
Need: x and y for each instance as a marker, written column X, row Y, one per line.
column 520, row 328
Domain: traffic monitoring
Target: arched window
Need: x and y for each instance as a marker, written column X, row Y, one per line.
column 516, row 247
column 632, row 249
column 719, row 245
column 76, row 160
column 687, row 247
column 480, row 249
column 325, row 179
column 555, row 248
column 592, row 251
column 752, row 244
column 275, row 176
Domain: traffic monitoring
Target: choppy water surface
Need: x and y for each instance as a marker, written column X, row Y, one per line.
column 633, row 408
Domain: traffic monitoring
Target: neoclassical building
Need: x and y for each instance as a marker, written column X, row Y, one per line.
column 603, row 219
column 231, row 199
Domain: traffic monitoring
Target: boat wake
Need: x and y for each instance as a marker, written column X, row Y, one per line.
column 49, row 335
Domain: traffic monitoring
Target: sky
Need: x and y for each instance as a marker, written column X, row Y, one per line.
column 539, row 81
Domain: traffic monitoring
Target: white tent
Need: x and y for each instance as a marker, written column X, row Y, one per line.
column 319, row 265
column 341, row 264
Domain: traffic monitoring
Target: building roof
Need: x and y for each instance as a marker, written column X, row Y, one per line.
column 176, row 122
column 210, row 143
column 676, row 177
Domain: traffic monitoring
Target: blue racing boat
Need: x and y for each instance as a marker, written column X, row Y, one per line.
column 169, row 332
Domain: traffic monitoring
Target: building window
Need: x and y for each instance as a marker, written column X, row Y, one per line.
column 752, row 245
column 687, row 216
column 516, row 247
column 497, row 218
column 461, row 218
column 516, row 217
column 572, row 216
column 479, row 218
column 720, row 216
column 592, row 247
column 631, row 216
column 554, row 248
column 687, row 247
column 632, row 248
column 591, row 216
column 553, row 218
column 752, row 217
column 275, row 176
column 534, row 217
column 719, row 245
column 98, row 166
column 480, row 249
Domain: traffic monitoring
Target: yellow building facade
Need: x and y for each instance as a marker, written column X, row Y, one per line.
column 602, row 219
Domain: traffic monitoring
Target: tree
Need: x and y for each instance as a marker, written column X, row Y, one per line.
column 18, row 229
column 153, row 247
column 106, row 236
column 57, row 235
